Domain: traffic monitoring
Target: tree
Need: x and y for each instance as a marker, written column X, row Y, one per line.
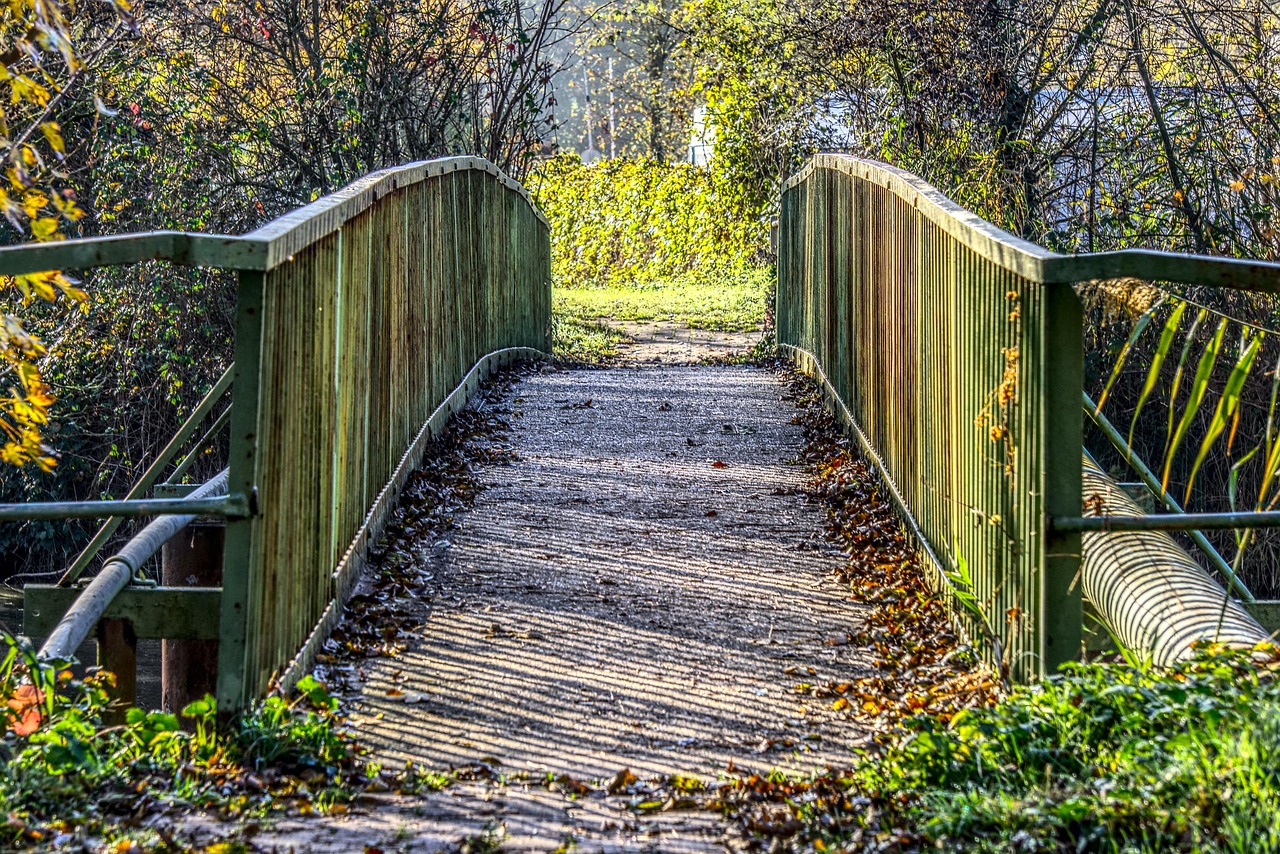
column 39, row 68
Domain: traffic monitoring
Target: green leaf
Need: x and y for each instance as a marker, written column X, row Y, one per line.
column 1227, row 406
column 1157, row 362
column 1199, row 384
column 1138, row 328
column 1177, row 375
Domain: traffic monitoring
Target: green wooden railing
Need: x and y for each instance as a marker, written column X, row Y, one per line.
column 363, row 321
column 953, row 350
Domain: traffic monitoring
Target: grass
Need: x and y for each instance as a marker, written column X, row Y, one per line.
column 1098, row 758
column 721, row 304
column 586, row 342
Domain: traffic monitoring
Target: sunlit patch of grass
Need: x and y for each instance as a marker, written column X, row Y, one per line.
column 727, row 303
column 581, row 341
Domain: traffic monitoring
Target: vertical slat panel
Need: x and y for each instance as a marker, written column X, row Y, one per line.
column 359, row 337
column 963, row 376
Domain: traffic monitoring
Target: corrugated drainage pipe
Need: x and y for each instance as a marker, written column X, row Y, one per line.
column 1148, row 589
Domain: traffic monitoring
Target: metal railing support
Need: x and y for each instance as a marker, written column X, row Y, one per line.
column 116, row 573
column 1149, row 479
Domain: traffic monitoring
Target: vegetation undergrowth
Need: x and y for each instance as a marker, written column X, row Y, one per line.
column 638, row 222
column 1106, row 757
column 576, row 341
column 69, row 779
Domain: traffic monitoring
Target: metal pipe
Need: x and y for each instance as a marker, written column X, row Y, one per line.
column 1149, row 590
column 116, row 573
column 234, row 506
column 1167, row 522
column 1152, row 482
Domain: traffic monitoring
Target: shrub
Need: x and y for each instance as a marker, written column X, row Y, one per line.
column 637, row 222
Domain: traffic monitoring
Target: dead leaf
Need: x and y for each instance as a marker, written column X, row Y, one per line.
column 621, row 781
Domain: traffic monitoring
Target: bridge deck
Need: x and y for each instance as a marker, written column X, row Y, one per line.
column 642, row 588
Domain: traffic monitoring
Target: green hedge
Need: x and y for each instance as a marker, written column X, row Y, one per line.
column 636, row 222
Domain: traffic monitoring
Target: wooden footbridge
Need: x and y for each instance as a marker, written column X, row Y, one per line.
column 951, row 349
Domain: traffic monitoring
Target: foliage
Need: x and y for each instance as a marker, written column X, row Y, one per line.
column 39, row 66
column 583, row 342
column 1101, row 757
column 65, row 776
column 650, row 105
column 1195, row 393
column 623, row 222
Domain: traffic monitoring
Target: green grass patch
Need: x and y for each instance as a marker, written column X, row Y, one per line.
column 731, row 303
column 1099, row 758
column 583, row 342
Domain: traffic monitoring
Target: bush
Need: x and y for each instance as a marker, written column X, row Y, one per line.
column 637, row 222
column 1100, row 757
column 65, row 776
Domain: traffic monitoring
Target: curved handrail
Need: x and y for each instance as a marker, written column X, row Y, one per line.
column 1034, row 262
column 262, row 249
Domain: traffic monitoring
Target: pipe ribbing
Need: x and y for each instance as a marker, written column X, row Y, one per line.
column 1148, row 590
column 116, row 573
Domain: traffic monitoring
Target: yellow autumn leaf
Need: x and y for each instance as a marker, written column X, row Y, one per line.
column 54, row 136
column 44, row 228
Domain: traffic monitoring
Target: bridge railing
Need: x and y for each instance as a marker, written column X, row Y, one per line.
column 953, row 350
column 363, row 320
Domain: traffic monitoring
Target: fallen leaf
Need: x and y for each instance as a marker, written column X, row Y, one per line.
column 719, row 464
column 621, row 781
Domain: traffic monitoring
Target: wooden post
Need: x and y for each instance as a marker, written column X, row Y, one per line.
column 1061, row 382
column 118, row 652
column 235, row 681
column 189, row 668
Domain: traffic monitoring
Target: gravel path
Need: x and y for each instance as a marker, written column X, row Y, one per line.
column 642, row 588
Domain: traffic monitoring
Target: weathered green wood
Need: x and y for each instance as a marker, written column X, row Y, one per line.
column 358, row 315
column 176, row 613
column 928, row 328
column 196, row 250
column 1030, row 261
column 1061, row 386
column 242, row 478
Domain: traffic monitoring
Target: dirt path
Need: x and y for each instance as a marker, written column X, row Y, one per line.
column 662, row 342
column 642, row 587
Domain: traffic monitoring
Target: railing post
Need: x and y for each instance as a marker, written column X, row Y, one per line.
column 189, row 668
column 234, row 682
column 1061, row 380
column 118, row 653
